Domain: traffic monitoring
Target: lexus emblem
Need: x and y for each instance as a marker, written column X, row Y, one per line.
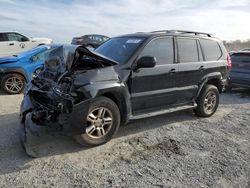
column 22, row 45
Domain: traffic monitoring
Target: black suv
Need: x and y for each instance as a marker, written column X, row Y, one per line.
column 89, row 94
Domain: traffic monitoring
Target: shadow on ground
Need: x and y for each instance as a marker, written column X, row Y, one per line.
column 2, row 93
column 13, row 155
column 243, row 92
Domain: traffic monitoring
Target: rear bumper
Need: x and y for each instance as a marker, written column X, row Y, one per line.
column 223, row 85
column 224, row 82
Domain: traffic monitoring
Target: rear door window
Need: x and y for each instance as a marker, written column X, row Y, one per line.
column 211, row 49
column 11, row 37
column 98, row 38
column 187, row 50
column 90, row 37
column 16, row 37
column 2, row 37
column 162, row 49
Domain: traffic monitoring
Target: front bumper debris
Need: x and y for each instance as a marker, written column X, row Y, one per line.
column 32, row 135
column 35, row 130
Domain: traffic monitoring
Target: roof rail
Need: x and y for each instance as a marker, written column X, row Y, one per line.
column 182, row 32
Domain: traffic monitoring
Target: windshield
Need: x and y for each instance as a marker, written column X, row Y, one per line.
column 120, row 49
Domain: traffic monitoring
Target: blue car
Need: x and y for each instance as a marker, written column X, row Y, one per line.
column 16, row 71
column 240, row 73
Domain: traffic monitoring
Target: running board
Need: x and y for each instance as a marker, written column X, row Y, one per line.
column 157, row 113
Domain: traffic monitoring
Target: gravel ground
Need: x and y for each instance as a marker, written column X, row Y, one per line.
column 173, row 150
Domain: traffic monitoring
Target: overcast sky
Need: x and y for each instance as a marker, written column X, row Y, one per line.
column 63, row 19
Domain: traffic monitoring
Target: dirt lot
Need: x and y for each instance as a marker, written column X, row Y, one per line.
column 173, row 150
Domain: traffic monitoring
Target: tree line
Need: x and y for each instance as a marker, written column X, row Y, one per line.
column 236, row 45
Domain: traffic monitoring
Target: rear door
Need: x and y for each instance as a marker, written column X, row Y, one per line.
column 154, row 88
column 190, row 68
column 214, row 60
column 240, row 72
column 4, row 45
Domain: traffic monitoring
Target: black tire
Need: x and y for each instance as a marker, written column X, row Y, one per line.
column 203, row 101
column 20, row 83
column 86, row 139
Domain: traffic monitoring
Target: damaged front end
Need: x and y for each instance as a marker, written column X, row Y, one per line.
column 57, row 100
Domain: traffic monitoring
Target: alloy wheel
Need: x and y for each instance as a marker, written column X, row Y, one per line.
column 14, row 84
column 210, row 102
column 99, row 122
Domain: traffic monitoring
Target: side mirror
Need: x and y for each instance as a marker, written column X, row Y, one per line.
column 146, row 62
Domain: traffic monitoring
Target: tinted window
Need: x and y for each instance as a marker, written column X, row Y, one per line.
column 119, row 49
column 2, row 37
column 240, row 58
column 90, row 37
column 105, row 38
column 187, row 50
column 16, row 37
column 98, row 38
column 11, row 36
column 161, row 49
column 21, row 38
column 211, row 49
column 95, row 38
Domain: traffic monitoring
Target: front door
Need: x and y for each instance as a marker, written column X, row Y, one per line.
column 4, row 45
column 18, row 43
column 154, row 88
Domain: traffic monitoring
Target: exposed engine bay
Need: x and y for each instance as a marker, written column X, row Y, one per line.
column 58, row 97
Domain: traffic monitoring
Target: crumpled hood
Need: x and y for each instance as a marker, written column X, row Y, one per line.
column 64, row 60
column 10, row 59
column 69, row 54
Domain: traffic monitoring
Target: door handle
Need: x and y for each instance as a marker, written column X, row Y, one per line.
column 202, row 68
column 11, row 44
column 172, row 71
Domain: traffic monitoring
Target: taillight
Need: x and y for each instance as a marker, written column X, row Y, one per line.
column 229, row 62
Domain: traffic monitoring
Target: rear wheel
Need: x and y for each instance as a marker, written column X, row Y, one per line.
column 208, row 101
column 103, row 121
column 13, row 83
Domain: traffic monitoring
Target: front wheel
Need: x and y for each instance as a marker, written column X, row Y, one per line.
column 208, row 101
column 13, row 83
column 103, row 121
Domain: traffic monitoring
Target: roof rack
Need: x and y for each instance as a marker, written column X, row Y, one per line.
column 182, row 32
